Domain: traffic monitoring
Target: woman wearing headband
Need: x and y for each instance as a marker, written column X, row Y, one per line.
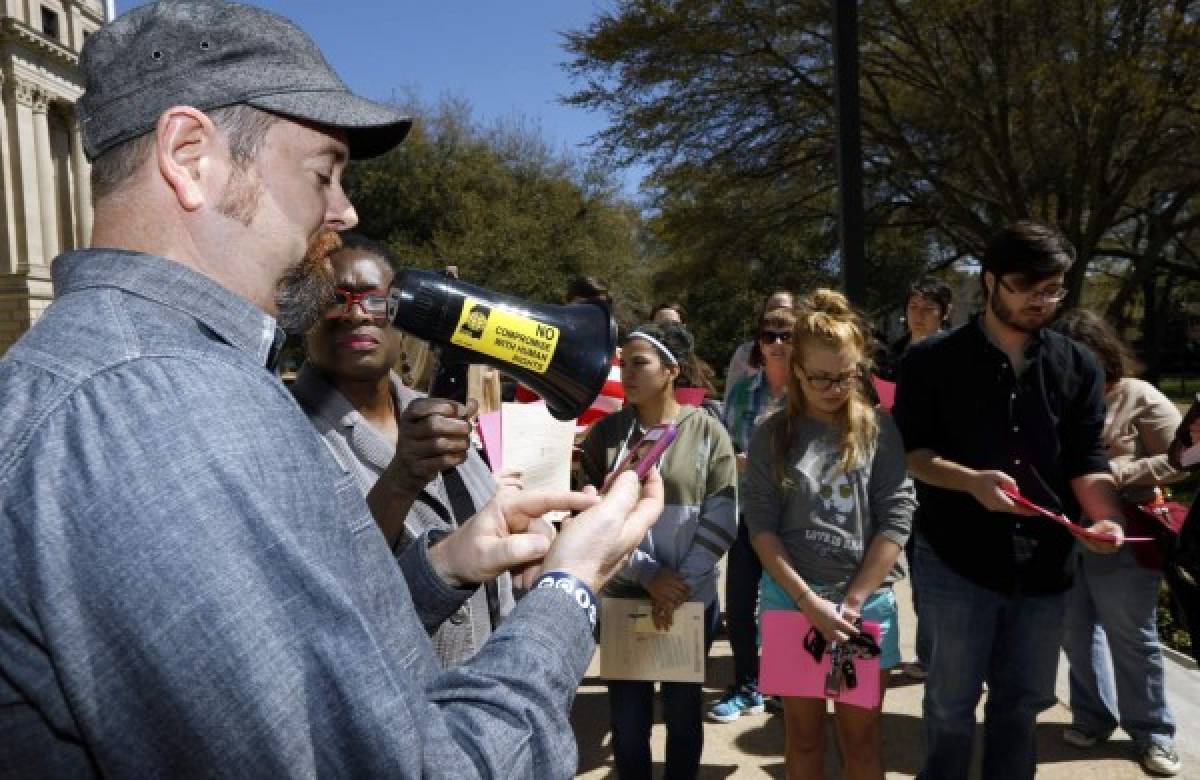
column 677, row 561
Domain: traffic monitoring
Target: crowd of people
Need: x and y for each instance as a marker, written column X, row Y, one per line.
column 204, row 572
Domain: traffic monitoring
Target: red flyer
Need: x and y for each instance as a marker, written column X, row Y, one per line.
column 1074, row 528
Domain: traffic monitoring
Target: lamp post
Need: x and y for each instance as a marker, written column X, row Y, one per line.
column 849, row 149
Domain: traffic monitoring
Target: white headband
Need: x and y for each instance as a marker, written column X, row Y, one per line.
column 637, row 334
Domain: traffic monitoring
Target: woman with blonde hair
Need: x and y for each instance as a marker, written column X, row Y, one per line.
column 829, row 506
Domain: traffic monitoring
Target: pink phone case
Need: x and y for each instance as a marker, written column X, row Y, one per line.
column 659, row 438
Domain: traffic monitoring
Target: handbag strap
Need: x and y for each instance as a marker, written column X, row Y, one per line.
column 464, row 507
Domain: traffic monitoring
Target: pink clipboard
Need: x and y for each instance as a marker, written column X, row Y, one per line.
column 788, row 669
column 886, row 391
column 1074, row 528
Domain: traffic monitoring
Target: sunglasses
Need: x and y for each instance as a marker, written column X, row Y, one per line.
column 841, row 665
column 771, row 336
column 861, row 645
column 376, row 304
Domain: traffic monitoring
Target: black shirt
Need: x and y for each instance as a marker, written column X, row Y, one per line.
column 958, row 396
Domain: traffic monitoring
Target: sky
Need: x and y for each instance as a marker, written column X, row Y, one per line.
column 503, row 56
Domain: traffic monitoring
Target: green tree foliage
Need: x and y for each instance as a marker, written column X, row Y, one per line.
column 499, row 203
column 975, row 113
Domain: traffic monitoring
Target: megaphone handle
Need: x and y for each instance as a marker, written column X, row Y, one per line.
column 450, row 377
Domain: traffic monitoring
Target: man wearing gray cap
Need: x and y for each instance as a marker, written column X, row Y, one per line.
column 190, row 582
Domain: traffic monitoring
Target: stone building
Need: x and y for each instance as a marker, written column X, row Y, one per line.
column 45, row 199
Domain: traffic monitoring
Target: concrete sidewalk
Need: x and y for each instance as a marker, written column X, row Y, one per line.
column 752, row 746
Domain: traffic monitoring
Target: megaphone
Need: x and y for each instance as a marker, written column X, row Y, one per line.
column 560, row 352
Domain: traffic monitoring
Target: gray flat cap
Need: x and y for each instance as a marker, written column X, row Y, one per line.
column 209, row 54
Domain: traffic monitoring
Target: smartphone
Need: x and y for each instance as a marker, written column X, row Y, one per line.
column 643, row 455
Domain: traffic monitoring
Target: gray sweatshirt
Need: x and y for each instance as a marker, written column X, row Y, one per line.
column 827, row 518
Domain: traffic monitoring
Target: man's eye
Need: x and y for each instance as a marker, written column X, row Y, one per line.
column 324, row 179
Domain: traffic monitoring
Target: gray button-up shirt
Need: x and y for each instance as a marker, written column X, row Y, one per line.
column 191, row 585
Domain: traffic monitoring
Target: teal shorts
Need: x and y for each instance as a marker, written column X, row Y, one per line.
column 880, row 608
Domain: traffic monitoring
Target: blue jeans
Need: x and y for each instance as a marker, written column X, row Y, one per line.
column 741, row 606
column 631, row 715
column 976, row 634
column 1111, row 609
column 922, row 641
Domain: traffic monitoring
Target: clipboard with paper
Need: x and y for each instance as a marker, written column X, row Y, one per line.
column 631, row 648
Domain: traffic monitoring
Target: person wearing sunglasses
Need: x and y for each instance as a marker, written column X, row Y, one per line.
column 829, row 506
column 747, row 359
column 1002, row 403
column 751, row 400
column 359, row 405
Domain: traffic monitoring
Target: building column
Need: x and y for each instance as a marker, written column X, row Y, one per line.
column 81, row 172
column 48, row 187
column 29, row 216
column 8, row 196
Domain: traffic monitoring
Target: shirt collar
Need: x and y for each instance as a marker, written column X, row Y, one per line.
column 316, row 392
column 231, row 317
column 1036, row 339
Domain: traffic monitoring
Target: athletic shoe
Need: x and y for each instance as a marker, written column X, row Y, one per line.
column 1162, row 761
column 738, row 702
column 1079, row 738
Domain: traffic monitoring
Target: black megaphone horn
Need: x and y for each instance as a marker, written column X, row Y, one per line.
column 561, row 352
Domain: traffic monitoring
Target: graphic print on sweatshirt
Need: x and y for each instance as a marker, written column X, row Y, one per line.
column 833, row 529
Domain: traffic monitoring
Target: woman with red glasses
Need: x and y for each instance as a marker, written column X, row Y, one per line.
column 369, row 419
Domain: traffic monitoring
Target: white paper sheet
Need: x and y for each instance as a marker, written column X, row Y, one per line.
column 630, row 650
column 537, row 445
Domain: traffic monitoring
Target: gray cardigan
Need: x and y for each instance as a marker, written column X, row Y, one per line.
column 365, row 453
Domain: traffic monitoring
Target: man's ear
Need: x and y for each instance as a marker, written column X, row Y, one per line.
column 989, row 280
column 187, row 145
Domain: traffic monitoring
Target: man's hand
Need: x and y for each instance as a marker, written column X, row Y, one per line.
column 596, row 544
column 668, row 588
column 1105, row 527
column 985, row 487
column 509, row 532
column 435, row 434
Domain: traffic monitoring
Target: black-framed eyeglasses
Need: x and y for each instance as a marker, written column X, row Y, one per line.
column 823, row 383
column 1053, row 295
column 771, row 336
column 374, row 303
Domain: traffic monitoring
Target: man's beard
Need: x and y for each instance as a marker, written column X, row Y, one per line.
column 307, row 287
column 1008, row 316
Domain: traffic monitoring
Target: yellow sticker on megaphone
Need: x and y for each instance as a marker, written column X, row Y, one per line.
column 500, row 333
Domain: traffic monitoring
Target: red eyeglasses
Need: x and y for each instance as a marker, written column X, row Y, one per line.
column 374, row 303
